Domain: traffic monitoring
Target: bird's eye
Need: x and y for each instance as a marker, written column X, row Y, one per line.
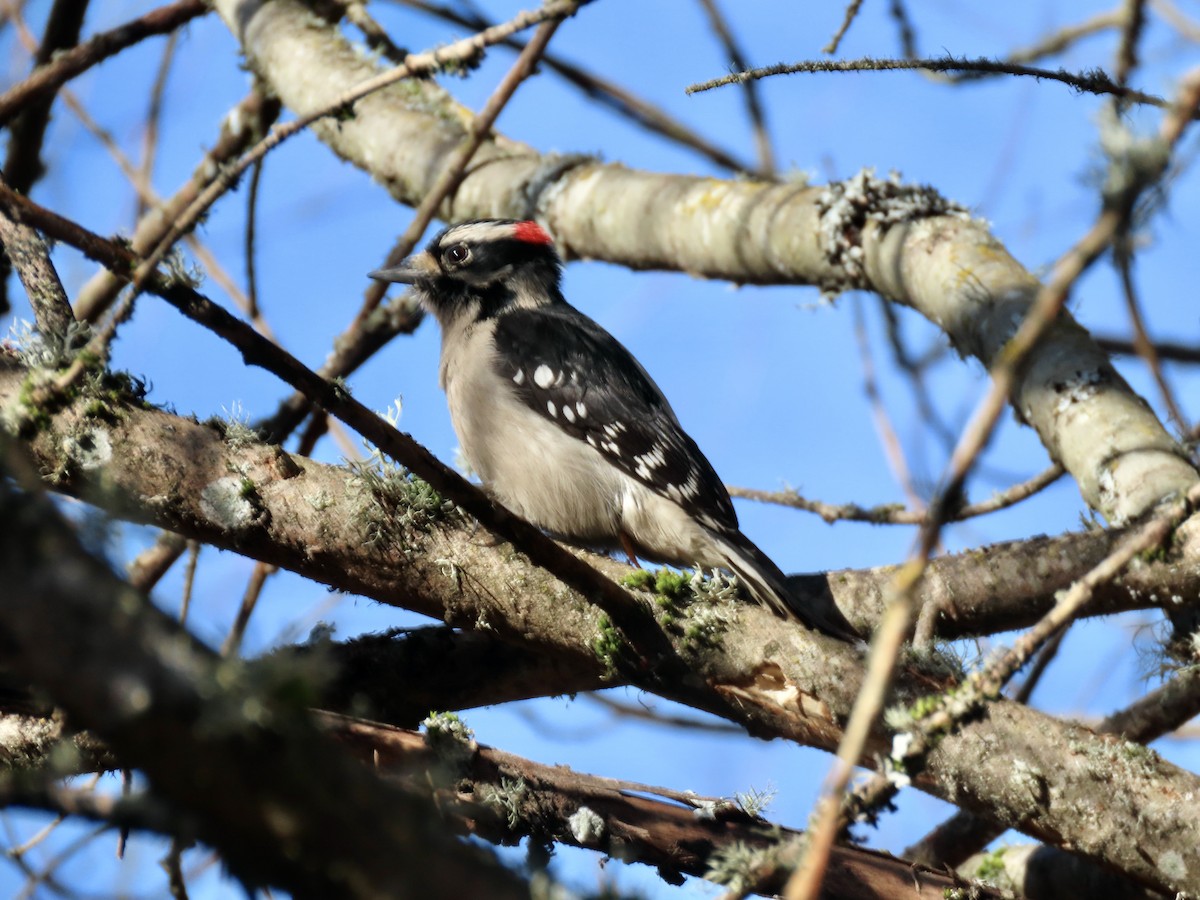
column 458, row 254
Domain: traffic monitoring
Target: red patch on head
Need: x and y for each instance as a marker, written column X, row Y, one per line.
column 531, row 233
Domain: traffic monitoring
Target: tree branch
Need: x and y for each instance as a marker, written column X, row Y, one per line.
column 162, row 702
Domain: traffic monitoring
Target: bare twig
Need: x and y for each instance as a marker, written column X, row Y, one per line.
column 153, row 117
column 1089, row 82
column 22, row 163
column 852, row 8
column 893, row 514
column 374, row 34
column 252, row 309
column 1065, row 38
column 1141, row 341
column 66, row 66
column 908, row 36
column 258, row 579
column 1169, row 351
column 189, row 580
column 1133, row 15
column 1039, row 668
column 27, row 252
column 1189, row 29
column 892, row 449
column 148, row 569
column 754, row 108
column 148, row 198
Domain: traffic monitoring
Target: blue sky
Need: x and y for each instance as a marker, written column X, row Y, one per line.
column 767, row 380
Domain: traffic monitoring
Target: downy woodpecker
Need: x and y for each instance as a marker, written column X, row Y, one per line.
column 563, row 425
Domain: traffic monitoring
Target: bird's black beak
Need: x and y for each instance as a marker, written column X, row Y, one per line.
column 404, row 274
column 410, row 271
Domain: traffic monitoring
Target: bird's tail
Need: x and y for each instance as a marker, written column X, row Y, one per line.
column 768, row 585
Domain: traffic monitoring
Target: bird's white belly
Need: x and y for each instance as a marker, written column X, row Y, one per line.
column 552, row 480
column 567, row 487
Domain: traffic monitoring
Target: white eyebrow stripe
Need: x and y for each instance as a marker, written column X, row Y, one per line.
column 474, row 232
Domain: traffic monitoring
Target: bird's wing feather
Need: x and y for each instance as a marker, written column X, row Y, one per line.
column 571, row 371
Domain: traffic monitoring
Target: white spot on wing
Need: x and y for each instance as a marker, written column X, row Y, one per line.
column 519, row 378
column 643, row 472
column 581, row 409
column 653, row 459
column 568, row 413
column 542, row 376
column 551, row 409
column 591, row 440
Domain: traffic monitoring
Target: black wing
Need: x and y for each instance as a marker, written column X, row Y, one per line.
column 574, row 373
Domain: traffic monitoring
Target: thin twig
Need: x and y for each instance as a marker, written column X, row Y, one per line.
column 22, row 164
column 154, row 117
column 148, row 567
column 1122, row 257
column 852, row 9
column 251, row 230
column 1039, row 668
column 1089, row 82
column 77, row 60
column 894, row 514
column 172, row 863
column 644, row 713
column 754, row 107
column 258, row 578
column 1065, row 38
column 244, row 123
column 147, row 197
column 374, row 34
column 1133, row 15
column 1169, row 351
column 27, row 252
column 1187, row 28
column 908, row 36
column 892, row 449
column 189, row 580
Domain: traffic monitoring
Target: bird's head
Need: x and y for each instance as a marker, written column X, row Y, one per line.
column 482, row 267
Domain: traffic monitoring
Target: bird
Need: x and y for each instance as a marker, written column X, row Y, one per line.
column 563, row 425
